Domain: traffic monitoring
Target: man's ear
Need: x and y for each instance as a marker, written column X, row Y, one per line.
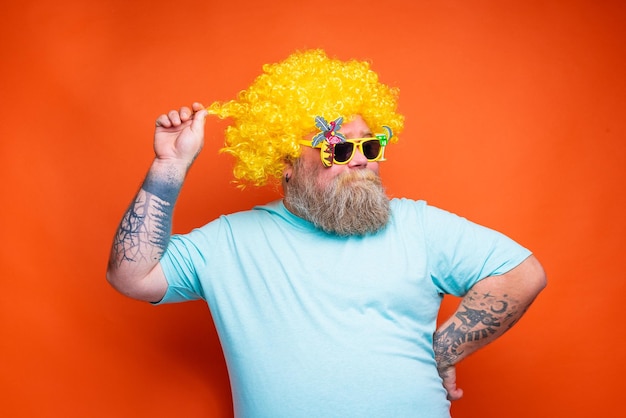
column 287, row 170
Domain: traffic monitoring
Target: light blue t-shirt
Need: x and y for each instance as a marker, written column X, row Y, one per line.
column 315, row 325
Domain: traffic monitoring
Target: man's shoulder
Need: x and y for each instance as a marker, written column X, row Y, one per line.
column 400, row 204
column 406, row 211
column 422, row 207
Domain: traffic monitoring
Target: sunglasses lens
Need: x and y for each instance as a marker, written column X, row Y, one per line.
column 343, row 151
column 371, row 149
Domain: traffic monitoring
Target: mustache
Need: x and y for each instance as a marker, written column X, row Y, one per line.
column 356, row 175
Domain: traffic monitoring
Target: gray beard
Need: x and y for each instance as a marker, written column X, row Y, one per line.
column 353, row 203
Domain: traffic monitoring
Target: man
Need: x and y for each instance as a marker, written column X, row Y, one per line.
column 326, row 301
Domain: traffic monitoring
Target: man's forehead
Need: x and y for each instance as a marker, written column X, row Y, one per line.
column 356, row 128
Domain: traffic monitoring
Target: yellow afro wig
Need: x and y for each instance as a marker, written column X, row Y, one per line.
column 279, row 109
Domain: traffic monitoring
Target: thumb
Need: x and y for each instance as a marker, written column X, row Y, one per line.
column 454, row 393
column 448, row 375
column 199, row 118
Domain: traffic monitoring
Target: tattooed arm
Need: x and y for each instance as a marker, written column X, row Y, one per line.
column 488, row 310
column 145, row 229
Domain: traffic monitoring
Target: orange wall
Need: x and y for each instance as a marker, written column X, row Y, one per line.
column 515, row 118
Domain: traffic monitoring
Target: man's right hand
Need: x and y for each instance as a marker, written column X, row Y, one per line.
column 179, row 135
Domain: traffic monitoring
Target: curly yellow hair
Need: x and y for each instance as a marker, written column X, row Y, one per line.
column 279, row 109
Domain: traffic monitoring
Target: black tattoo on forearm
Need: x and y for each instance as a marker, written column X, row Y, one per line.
column 166, row 190
column 479, row 317
column 144, row 231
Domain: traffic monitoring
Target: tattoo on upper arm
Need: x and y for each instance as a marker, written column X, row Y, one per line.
column 478, row 317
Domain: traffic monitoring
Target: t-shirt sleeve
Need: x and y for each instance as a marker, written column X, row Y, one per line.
column 461, row 253
column 181, row 264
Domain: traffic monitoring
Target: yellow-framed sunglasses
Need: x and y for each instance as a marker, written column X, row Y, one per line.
column 373, row 148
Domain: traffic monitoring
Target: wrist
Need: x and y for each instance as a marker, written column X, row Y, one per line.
column 171, row 167
column 164, row 180
column 446, row 350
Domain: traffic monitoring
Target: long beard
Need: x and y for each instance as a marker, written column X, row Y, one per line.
column 353, row 203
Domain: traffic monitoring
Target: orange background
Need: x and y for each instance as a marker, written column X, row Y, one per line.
column 515, row 118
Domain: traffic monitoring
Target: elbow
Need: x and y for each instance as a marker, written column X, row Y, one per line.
column 148, row 287
column 118, row 281
column 536, row 276
column 543, row 280
column 114, row 279
column 110, row 274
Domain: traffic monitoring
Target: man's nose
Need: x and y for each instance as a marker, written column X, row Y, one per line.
column 358, row 159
